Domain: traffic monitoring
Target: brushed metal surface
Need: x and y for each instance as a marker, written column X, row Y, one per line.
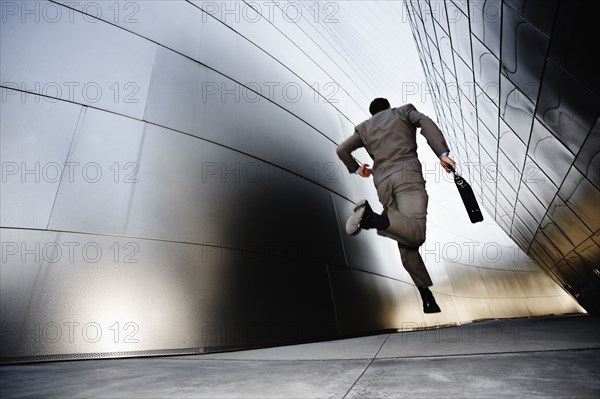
column 36, row 137
column 523, row 52
column 486, row 21
column 218, row 219
column 181, row 28
column 552, row 157
column 117, row 294
column 58, row 60
column 97, row 199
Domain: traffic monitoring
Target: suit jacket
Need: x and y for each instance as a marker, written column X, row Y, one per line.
column 390, row 139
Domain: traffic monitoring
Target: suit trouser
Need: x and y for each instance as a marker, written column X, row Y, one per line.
column 405, row 203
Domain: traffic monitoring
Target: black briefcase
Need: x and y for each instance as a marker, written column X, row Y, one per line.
column 468, row 198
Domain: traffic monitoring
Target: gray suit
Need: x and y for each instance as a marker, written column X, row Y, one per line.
column 390, row 139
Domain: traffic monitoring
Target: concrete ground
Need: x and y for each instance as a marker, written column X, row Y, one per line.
column 549, row 357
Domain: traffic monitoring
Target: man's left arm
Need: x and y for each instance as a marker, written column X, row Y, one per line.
column 433, row 135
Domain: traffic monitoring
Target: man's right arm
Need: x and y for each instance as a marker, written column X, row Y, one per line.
column 344, row 152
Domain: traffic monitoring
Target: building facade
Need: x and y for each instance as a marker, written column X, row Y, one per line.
column 170, row 184
column 514, row 84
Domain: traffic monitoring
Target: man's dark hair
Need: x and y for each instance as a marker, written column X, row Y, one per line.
column 379, row 104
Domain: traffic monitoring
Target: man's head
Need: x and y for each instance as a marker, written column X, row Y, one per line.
column 379, row 104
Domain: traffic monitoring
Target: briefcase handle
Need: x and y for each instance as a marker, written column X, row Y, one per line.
column 453, row 171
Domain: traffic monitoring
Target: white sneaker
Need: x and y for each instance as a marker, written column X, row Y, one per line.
column 353, row 222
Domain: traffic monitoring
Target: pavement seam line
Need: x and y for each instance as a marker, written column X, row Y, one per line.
column 366, row 368
column 592, row 348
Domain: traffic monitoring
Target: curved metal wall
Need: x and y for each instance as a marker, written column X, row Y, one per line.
column 530, row 102
column 170, row 185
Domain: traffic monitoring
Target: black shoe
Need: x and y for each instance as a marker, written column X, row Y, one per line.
column 355, row 221
column 429, row 304
column 364, row 218
column 372, row 220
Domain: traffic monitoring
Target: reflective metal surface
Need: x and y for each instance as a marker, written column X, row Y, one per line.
column 535, row 155
column 197, row 204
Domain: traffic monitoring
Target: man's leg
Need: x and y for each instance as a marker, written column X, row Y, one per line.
column 405, row 204
column 408, row 216
column 414, row 265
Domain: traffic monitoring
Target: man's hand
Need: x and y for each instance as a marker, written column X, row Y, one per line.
column 365, row 171
column 448, row 162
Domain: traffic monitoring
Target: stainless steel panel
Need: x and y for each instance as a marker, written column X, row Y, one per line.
column 458, row 4
column 486, row 19
column 539, row 13
column 36, row 136
column 545, row 306
column 179, row 29
column 106, row 155
column 487, row 111
column 471, row 309
column 438, row 8
column 540, row 254
column 486, row 67
column 547, row 245
column 520, row 233
column 508, row 307
column 176, row 96
column 532, row 205
column 125, row 296
column 501, row 283
column 516, row 109
column 556, row 235
column 445, row 47
column 568, row 222
column 511, row 166
column 273, row 79
column 549, row 153
column 507, row 170
column 566, row 106
column 574, row 32
column 538, row 284
column 436, row 63
column 467, row 281
column 589, row 251
column 523, row 52
column 508, row 193
column 59, row 60
column 459, row 32
column 587, row 159
column 427, row 15
column 523, row 215
column 360, row 297
column 535, row 178
column 512, row 146
column 572, row 276
column 468, row 111
column 236, row 121
column 579, row 263
column 193, row 191
column 582, row 197
column 464, row 73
